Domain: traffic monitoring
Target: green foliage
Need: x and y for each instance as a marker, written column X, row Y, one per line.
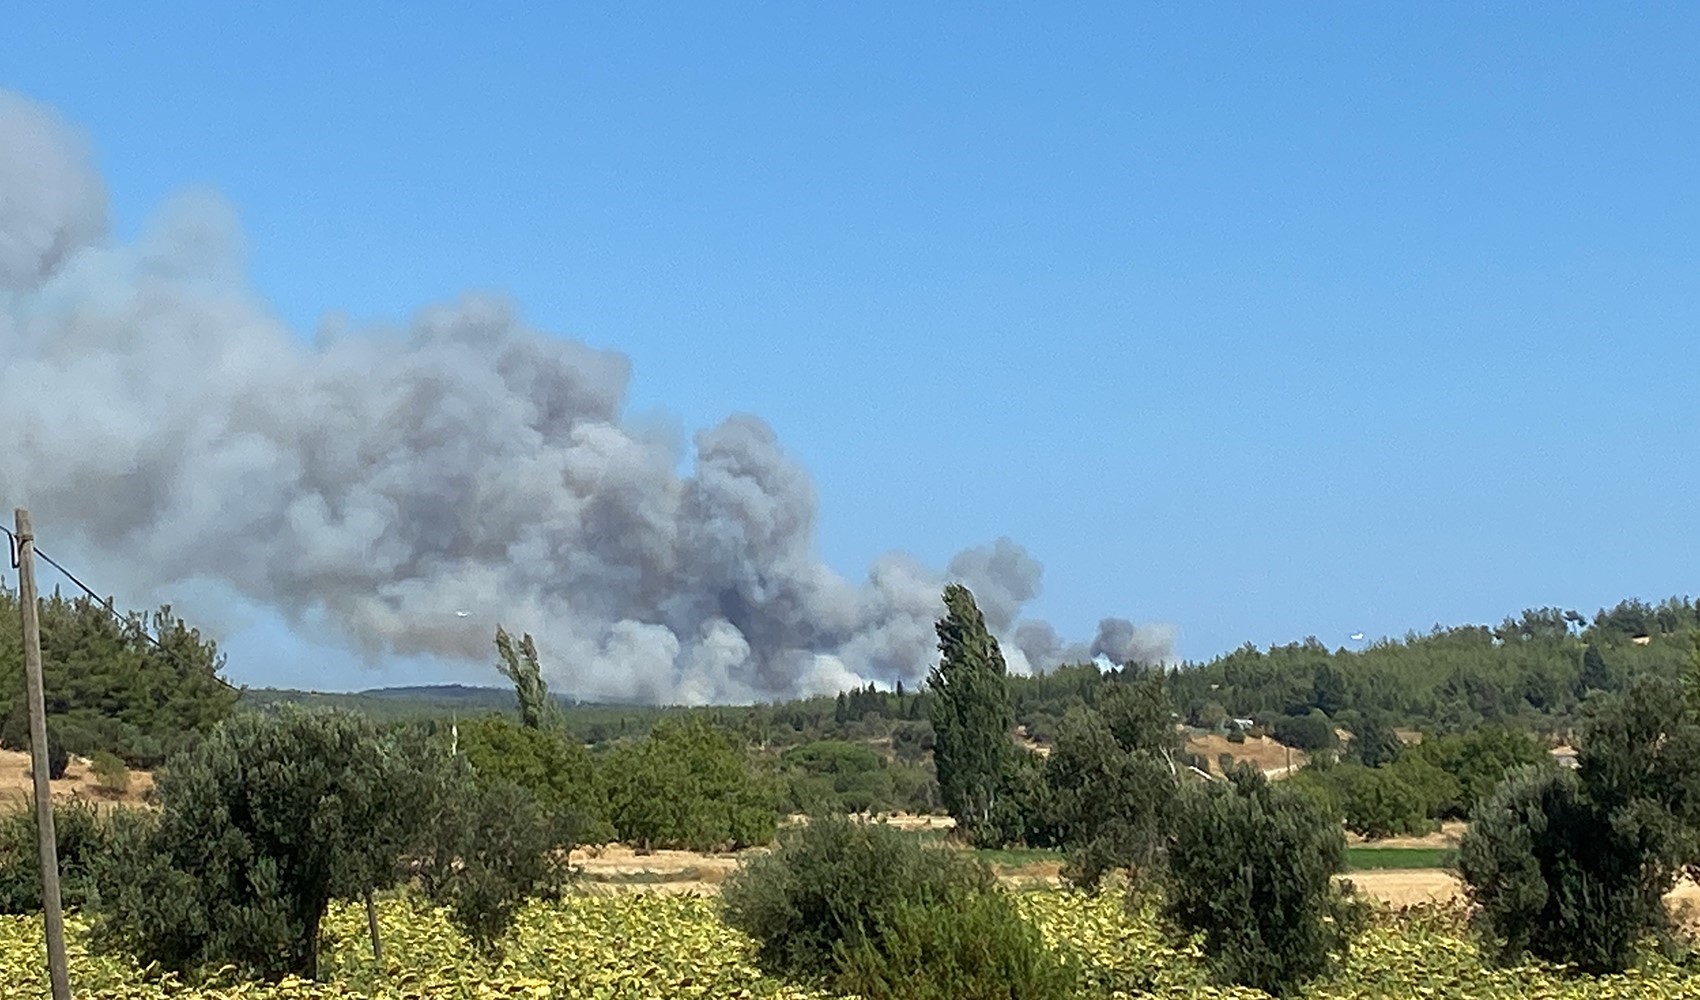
column 851, row 903
column 110, row 774
column 688, row 785
column 837, row 776
column 1550, row 877
column 1375, row 744
column 1574, row 868
column 58, row 758
column 1378, row 802
column 1110, row 800
column 485, row 848
column 1312, row 731
column 107, row 686
column 1251, row 868
column 259, row 827
column 518, row 663
column 83, row 839
column 1478, row 761
column 1526, row 672
column 971, row 716
column 974, row 949
column 557, row 772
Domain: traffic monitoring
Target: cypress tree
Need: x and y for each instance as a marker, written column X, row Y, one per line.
column 970, row 711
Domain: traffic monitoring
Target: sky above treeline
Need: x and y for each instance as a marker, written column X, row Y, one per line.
column 1246, row 323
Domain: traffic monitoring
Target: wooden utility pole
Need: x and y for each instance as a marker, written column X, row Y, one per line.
column 46, row 840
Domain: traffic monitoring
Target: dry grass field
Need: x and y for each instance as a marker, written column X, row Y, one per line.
column 17, row 790
column 1263, row 753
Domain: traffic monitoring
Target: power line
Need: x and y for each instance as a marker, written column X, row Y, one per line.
column 122, row 619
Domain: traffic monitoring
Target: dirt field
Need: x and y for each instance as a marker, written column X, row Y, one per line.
column 1263, row 753
column 17, row 789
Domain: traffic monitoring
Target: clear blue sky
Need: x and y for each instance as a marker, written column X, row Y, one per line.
column 1262, row 320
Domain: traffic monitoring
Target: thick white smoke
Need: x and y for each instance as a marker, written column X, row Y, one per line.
column 383, row 480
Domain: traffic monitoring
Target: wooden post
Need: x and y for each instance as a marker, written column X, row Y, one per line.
column 46, row 840
column 372, row 928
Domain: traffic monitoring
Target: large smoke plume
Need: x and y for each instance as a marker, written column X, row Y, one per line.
column 385, row 480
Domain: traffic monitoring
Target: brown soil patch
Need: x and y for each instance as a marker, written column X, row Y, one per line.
column 1261, row 752
column 17, row 787
column 614, row 862
column 1409, row 886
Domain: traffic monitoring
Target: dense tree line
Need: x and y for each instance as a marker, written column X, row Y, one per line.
column 142, row 688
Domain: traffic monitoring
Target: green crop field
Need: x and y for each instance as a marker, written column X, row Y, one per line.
column 642, row 945
column 1373, row 858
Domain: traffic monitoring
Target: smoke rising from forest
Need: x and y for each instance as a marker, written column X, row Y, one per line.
column 382, row 481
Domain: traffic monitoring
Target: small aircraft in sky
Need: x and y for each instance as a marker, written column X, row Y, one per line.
column 1357, row 637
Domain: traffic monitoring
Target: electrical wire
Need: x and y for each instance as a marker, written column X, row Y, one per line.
column 120, row 617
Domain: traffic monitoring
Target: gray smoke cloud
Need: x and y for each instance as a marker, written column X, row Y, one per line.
column 378, row 482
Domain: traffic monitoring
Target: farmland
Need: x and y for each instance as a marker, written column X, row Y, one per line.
column 641, row 945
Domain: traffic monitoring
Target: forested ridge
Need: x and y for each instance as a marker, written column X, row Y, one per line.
column 1532, row 671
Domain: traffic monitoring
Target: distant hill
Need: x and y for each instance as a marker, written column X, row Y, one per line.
column 421, row 701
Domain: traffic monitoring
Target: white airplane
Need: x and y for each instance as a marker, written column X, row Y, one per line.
column 1357, row 637
column 462, row 614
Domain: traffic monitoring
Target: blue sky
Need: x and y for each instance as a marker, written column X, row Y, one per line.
column 1262, row 321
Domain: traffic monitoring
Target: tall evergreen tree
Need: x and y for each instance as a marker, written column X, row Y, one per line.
column 971, row 713
column 1596, row 676
column 519, row 664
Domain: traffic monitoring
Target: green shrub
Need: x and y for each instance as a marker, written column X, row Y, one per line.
column 1573, row 867
column 82, row 837
column 110, row 774
column 975, row 949
column 58, row 758
column 492, row 847
column 1251, row 867
column 1549, row 876
column 1110, row 800
column 688, row 785
column 1306, row 732
column 1477, row 762
column 1378, row 803
column 834, row 884
column 557, row 772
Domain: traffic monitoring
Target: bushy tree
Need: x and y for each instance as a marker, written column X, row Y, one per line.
column 1250, row 869
column 872, row 911
column 556, row 771
column 1574, row 868
column 1312, row 731
column 1378, row 802
column 1595, row 675
column 834, row 775
column 485, row 846
column 688, row 785
column 259, row 827
column 1375, row 744
column 1478, row 761
column 1110, row 801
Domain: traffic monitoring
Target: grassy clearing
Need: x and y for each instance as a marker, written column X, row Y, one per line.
column 1361, row 859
